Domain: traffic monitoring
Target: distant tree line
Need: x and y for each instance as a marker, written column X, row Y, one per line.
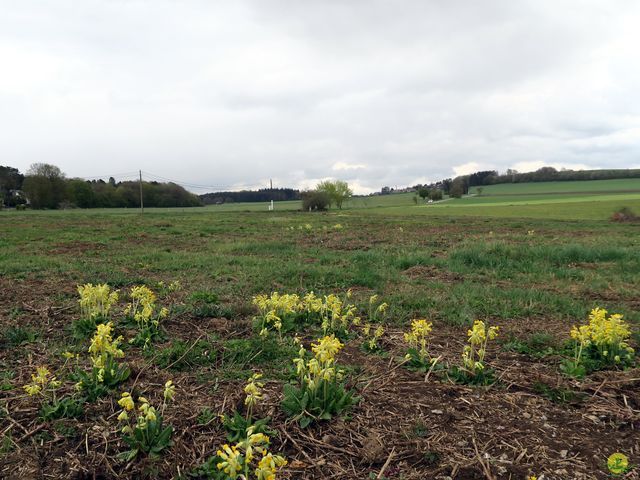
column 45, row 186
column 262, row 195
column 460, row 185
column 546, row 174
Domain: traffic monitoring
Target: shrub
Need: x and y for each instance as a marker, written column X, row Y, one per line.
column 435, row 195
column 315, row 200
column 625, row 214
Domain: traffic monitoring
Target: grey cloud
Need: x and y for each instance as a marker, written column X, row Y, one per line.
column 231, row 93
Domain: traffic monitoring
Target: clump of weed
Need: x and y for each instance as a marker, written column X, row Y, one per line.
column 206, row 416
column 181, row 355
column 537, row 345
column 15, row 336
column 557, row 394
column 240, row 354
column 205, row 304
column 625, row 214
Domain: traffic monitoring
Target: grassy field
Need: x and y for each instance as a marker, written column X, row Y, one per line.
column 514, row 266
column 590, row 186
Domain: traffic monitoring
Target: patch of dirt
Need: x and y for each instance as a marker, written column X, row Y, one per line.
column 432, row 272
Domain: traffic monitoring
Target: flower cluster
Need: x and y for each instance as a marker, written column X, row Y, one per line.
column 96, row 300
column 147, row 433
column 237, row 461
column 377, row 311
column 143, row 306
column 418, row 340
column 372, row 335
column 42, row 381
column 104, row 349
column 280, row 312
column 276, row 307
column 604, row 339
column 336, row 315
column 320, row 392
column 474, row 353
column 321, row 368
column 145, row 312
column 253, row 391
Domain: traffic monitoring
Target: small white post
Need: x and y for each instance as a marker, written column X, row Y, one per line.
column 271, row 206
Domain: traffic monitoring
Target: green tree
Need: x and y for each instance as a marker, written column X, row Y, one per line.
column 44, row 185
column 80, row 193
column 435, row 194
column 457, row 188
column 338, row 191
column 315, row 200
column 10, row 181
column 423, row 192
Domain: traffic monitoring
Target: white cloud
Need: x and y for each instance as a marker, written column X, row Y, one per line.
column 466, row 168
column 348, row 166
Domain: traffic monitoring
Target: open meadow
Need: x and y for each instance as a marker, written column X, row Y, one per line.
column 388, row 402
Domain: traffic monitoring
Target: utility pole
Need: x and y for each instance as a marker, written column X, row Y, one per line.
column 141, row 202
column 271, row 183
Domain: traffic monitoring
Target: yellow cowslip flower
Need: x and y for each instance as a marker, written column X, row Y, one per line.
column 230, row 463
column 609, row 335
column 373, row 299
column 253, row 390
column 327, row 348
column 300, row 365
column 383, row 307
column 150, row 414
column 124, row 416
column 582, row 334
column 366, row 329
column 327, row 374
column 268, row 465
column 314, row 366
column 126, row 401
column 41, row 376
column 32, row 389
column 169, row 390
column 68, row 355
column 96, row 300
column 379, row 332
column 617, row 463
column 253, row 441
column 478, row 333
column 102, row 345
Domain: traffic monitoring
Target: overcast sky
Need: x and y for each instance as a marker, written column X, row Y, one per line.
column 375, row 92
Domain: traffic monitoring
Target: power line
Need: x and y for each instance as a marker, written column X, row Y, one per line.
column 115, row 175
column 196, row 185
